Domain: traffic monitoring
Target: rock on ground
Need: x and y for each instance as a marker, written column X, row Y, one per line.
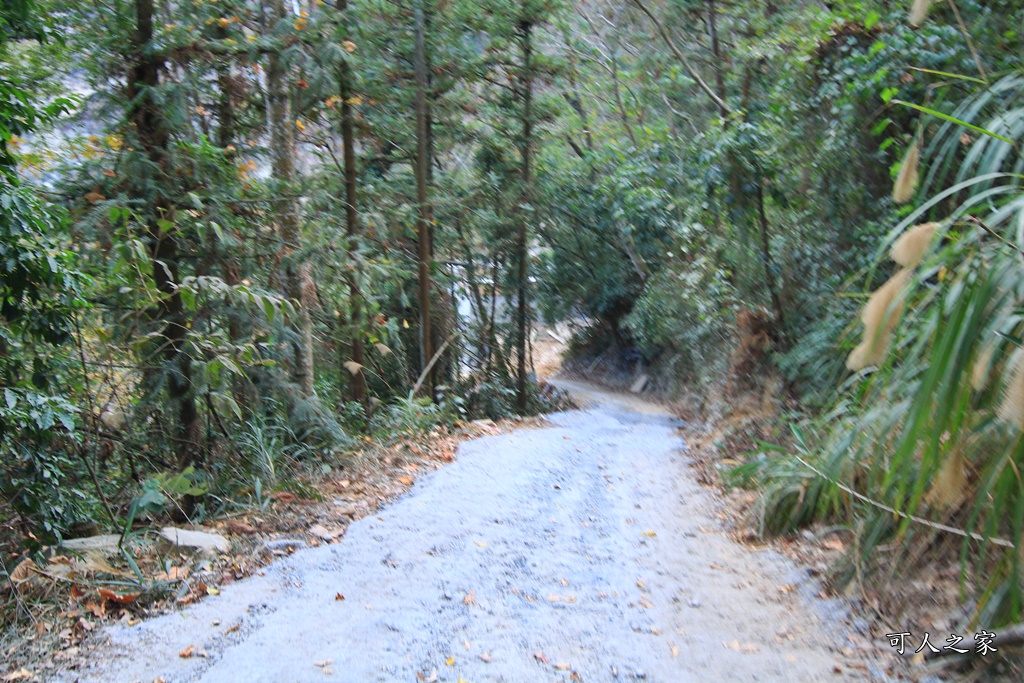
column 585, row 551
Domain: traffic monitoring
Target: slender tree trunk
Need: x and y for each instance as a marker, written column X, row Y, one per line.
column 716, row 52
column 483, row 344
column 422, row 178
column 766, row 258
column 296, row 277
column 154, row 137
column 352, row 222
column 522, row 255
column 230, row 272
column 614, row 66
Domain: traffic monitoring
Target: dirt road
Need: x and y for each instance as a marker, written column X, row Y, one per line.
column 584, row 551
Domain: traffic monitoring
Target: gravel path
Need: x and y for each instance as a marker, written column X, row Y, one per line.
column 580, row 552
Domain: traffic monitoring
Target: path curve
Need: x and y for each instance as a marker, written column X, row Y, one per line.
column 584, row 551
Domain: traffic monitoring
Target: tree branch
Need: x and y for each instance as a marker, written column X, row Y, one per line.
column 722, row 106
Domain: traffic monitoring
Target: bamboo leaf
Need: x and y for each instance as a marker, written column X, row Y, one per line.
column 953, row 119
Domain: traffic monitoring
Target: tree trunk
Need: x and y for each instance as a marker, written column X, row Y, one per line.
column 526, row 91
column 422, row 178
column 296, row 278
column 154, row 137
column 716, row 52
column 351, row 223
column 766, row 258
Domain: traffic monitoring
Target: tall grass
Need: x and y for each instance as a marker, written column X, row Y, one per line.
column 928, row 437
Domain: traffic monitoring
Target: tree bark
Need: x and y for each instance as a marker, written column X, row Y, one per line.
column 154, row 138
column 716, row 51
column 422, row 178
column 352, row 222
column 296, row 277
column 522, row 242
column 766, row 259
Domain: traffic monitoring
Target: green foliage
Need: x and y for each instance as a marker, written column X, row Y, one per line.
column 945, row 403
column 164, row 490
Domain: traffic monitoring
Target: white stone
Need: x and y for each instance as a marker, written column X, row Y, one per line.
column 200, row 540
column 104, row 542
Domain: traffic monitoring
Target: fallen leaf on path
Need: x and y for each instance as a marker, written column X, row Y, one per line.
column 450, row 661
column 539, row 656
column 339, row 596
column 236, row 527
column 486, row 658
column 469, row 599
column 23, row 572
column 650, row 534
column 98, row 610
column 640, row 584
column 562, row 666
column 673, row 649
column 173, row 574
column 834, row 544
column 21, row 674
column 745, row 648
column 187, row 652
column 481, row 544
column 322, row 664
column 564, row 582
column 406, row 481
column 98, row 563
column 433, row 677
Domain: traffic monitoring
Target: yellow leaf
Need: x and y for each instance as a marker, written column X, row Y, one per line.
column 450, row 661
column 300, row 125
column 349, row 46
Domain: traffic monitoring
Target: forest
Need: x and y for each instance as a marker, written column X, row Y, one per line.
column 243, row 241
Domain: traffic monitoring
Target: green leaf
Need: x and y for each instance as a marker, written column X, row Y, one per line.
column 953, row 119
column 946, row 74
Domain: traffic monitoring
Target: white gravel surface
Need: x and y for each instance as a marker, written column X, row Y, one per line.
column 580, row 552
